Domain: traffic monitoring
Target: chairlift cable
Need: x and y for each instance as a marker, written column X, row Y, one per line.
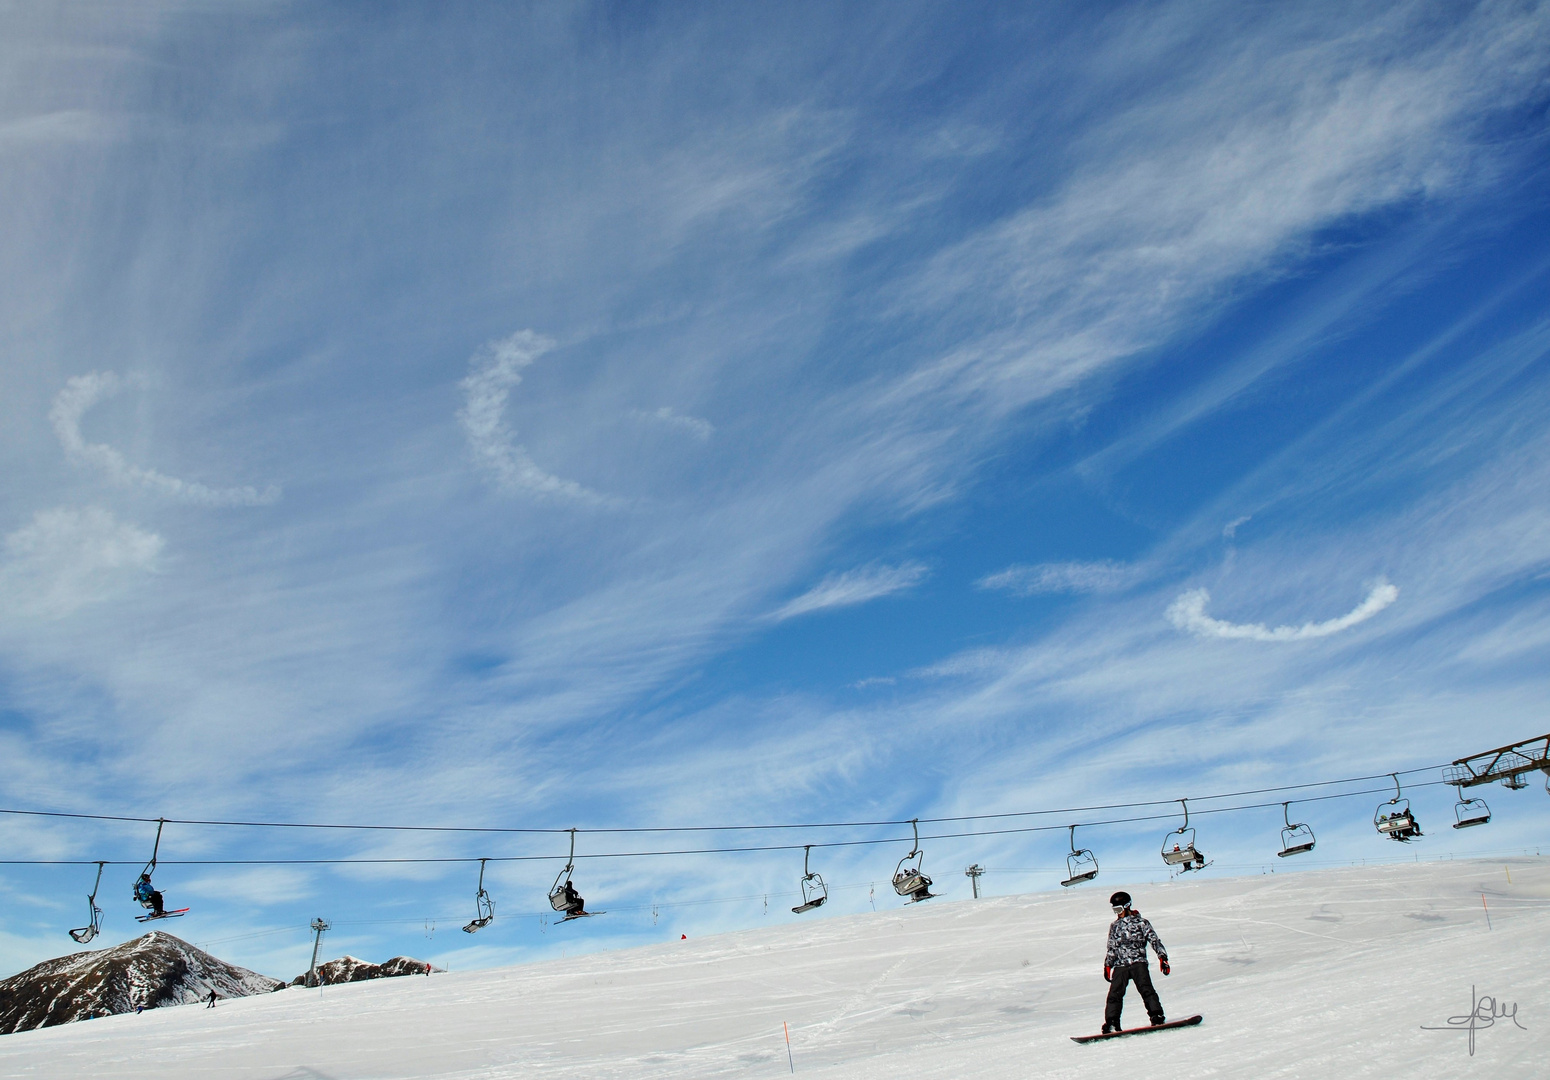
column 694, row 851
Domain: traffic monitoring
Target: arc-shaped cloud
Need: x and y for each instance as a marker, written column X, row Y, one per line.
column 81, row 392
column 495, row 370
column 854, row 587
column 1188, row 613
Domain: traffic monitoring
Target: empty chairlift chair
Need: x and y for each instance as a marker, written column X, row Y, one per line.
column 1470, row 812
column 1178, row 849
column 1081, row 864
column 814, row 891
column 1394, row 820
column 84, row 934
column 484, row 907
column 1295, row 839
column 909, row 880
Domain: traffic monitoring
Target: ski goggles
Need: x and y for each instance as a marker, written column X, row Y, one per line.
column 1119, row 909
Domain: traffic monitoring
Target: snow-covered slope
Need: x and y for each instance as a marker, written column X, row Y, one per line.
column 1299, row 975
column 152, row 971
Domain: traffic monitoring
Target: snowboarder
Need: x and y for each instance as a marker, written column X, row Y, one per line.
column 211, row 998
column 148, row 896
column 573, row 901
column 1125, row 962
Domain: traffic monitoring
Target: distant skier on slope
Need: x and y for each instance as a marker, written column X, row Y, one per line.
column 148, row 896
column 1125, row 962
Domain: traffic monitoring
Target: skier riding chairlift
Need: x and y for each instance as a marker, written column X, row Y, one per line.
column 1081, row 864
column 1394, row 820
column 563, row 897
column 146, row 894
column 814, row 891
column 1183, row 852
column 909, row 880
column 1295, row 839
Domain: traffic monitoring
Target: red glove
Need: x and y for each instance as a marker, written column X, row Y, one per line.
column 1108, row 973
column 1162, row 962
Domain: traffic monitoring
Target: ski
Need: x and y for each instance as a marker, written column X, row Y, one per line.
column 582, row 915
column 1188, row 1022
column 163, row 915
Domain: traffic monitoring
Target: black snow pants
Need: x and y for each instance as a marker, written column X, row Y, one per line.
column 1117, row 983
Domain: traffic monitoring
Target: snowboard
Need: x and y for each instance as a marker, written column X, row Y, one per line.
column 163, row 915
column 1187, row 1022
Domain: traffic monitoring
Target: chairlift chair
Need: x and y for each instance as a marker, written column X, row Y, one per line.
column 563, row 896
column 1295, row 839
column 85, row 933
column 909, row 880
column 1178, row 847
column 146, row 894
column 1081, row 864
column 1470, row 812
column 484, row 907
column 814, row 891
column 1394, row 820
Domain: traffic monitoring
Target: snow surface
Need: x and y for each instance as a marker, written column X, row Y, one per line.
column 1309, row 974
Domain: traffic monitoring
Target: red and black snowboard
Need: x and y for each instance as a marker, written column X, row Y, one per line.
column 1187, row 1022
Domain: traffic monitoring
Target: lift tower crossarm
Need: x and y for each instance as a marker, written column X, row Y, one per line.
column 1503, row 763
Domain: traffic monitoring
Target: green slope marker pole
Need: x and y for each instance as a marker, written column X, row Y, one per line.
column 789, row 1060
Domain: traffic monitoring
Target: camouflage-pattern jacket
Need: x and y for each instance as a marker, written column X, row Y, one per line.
column 1128, row 938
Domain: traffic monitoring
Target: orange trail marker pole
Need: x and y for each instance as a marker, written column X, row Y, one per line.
column 789, row 1060
column 1487, row 911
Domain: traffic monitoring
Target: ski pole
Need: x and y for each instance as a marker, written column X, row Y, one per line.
column 789, row 1059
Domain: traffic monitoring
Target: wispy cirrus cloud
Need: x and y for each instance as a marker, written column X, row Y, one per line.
column 67, row 558
column 495, row 370
column 695, row 426
column 81, row 392
column 1188, row 613
column 854, row 587
column 1065, row 577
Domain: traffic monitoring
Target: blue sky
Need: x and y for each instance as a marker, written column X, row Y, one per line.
column 617, row 415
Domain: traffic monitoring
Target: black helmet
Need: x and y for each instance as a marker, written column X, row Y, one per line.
column 1120, row 899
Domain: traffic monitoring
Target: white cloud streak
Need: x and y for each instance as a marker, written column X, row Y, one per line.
column 81, row 392
column 495, row 370
column 854, row 587
column 1067, row 577
column 690, row 425
column 66, row 559
column 1188, row 613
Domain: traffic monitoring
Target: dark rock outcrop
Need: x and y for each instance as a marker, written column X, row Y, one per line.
column 152, row 971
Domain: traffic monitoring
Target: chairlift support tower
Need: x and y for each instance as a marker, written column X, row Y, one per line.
column 318, row 926
column 973, row 874
column 1505, row 765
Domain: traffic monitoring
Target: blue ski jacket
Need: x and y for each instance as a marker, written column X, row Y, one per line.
column 1128, row 939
